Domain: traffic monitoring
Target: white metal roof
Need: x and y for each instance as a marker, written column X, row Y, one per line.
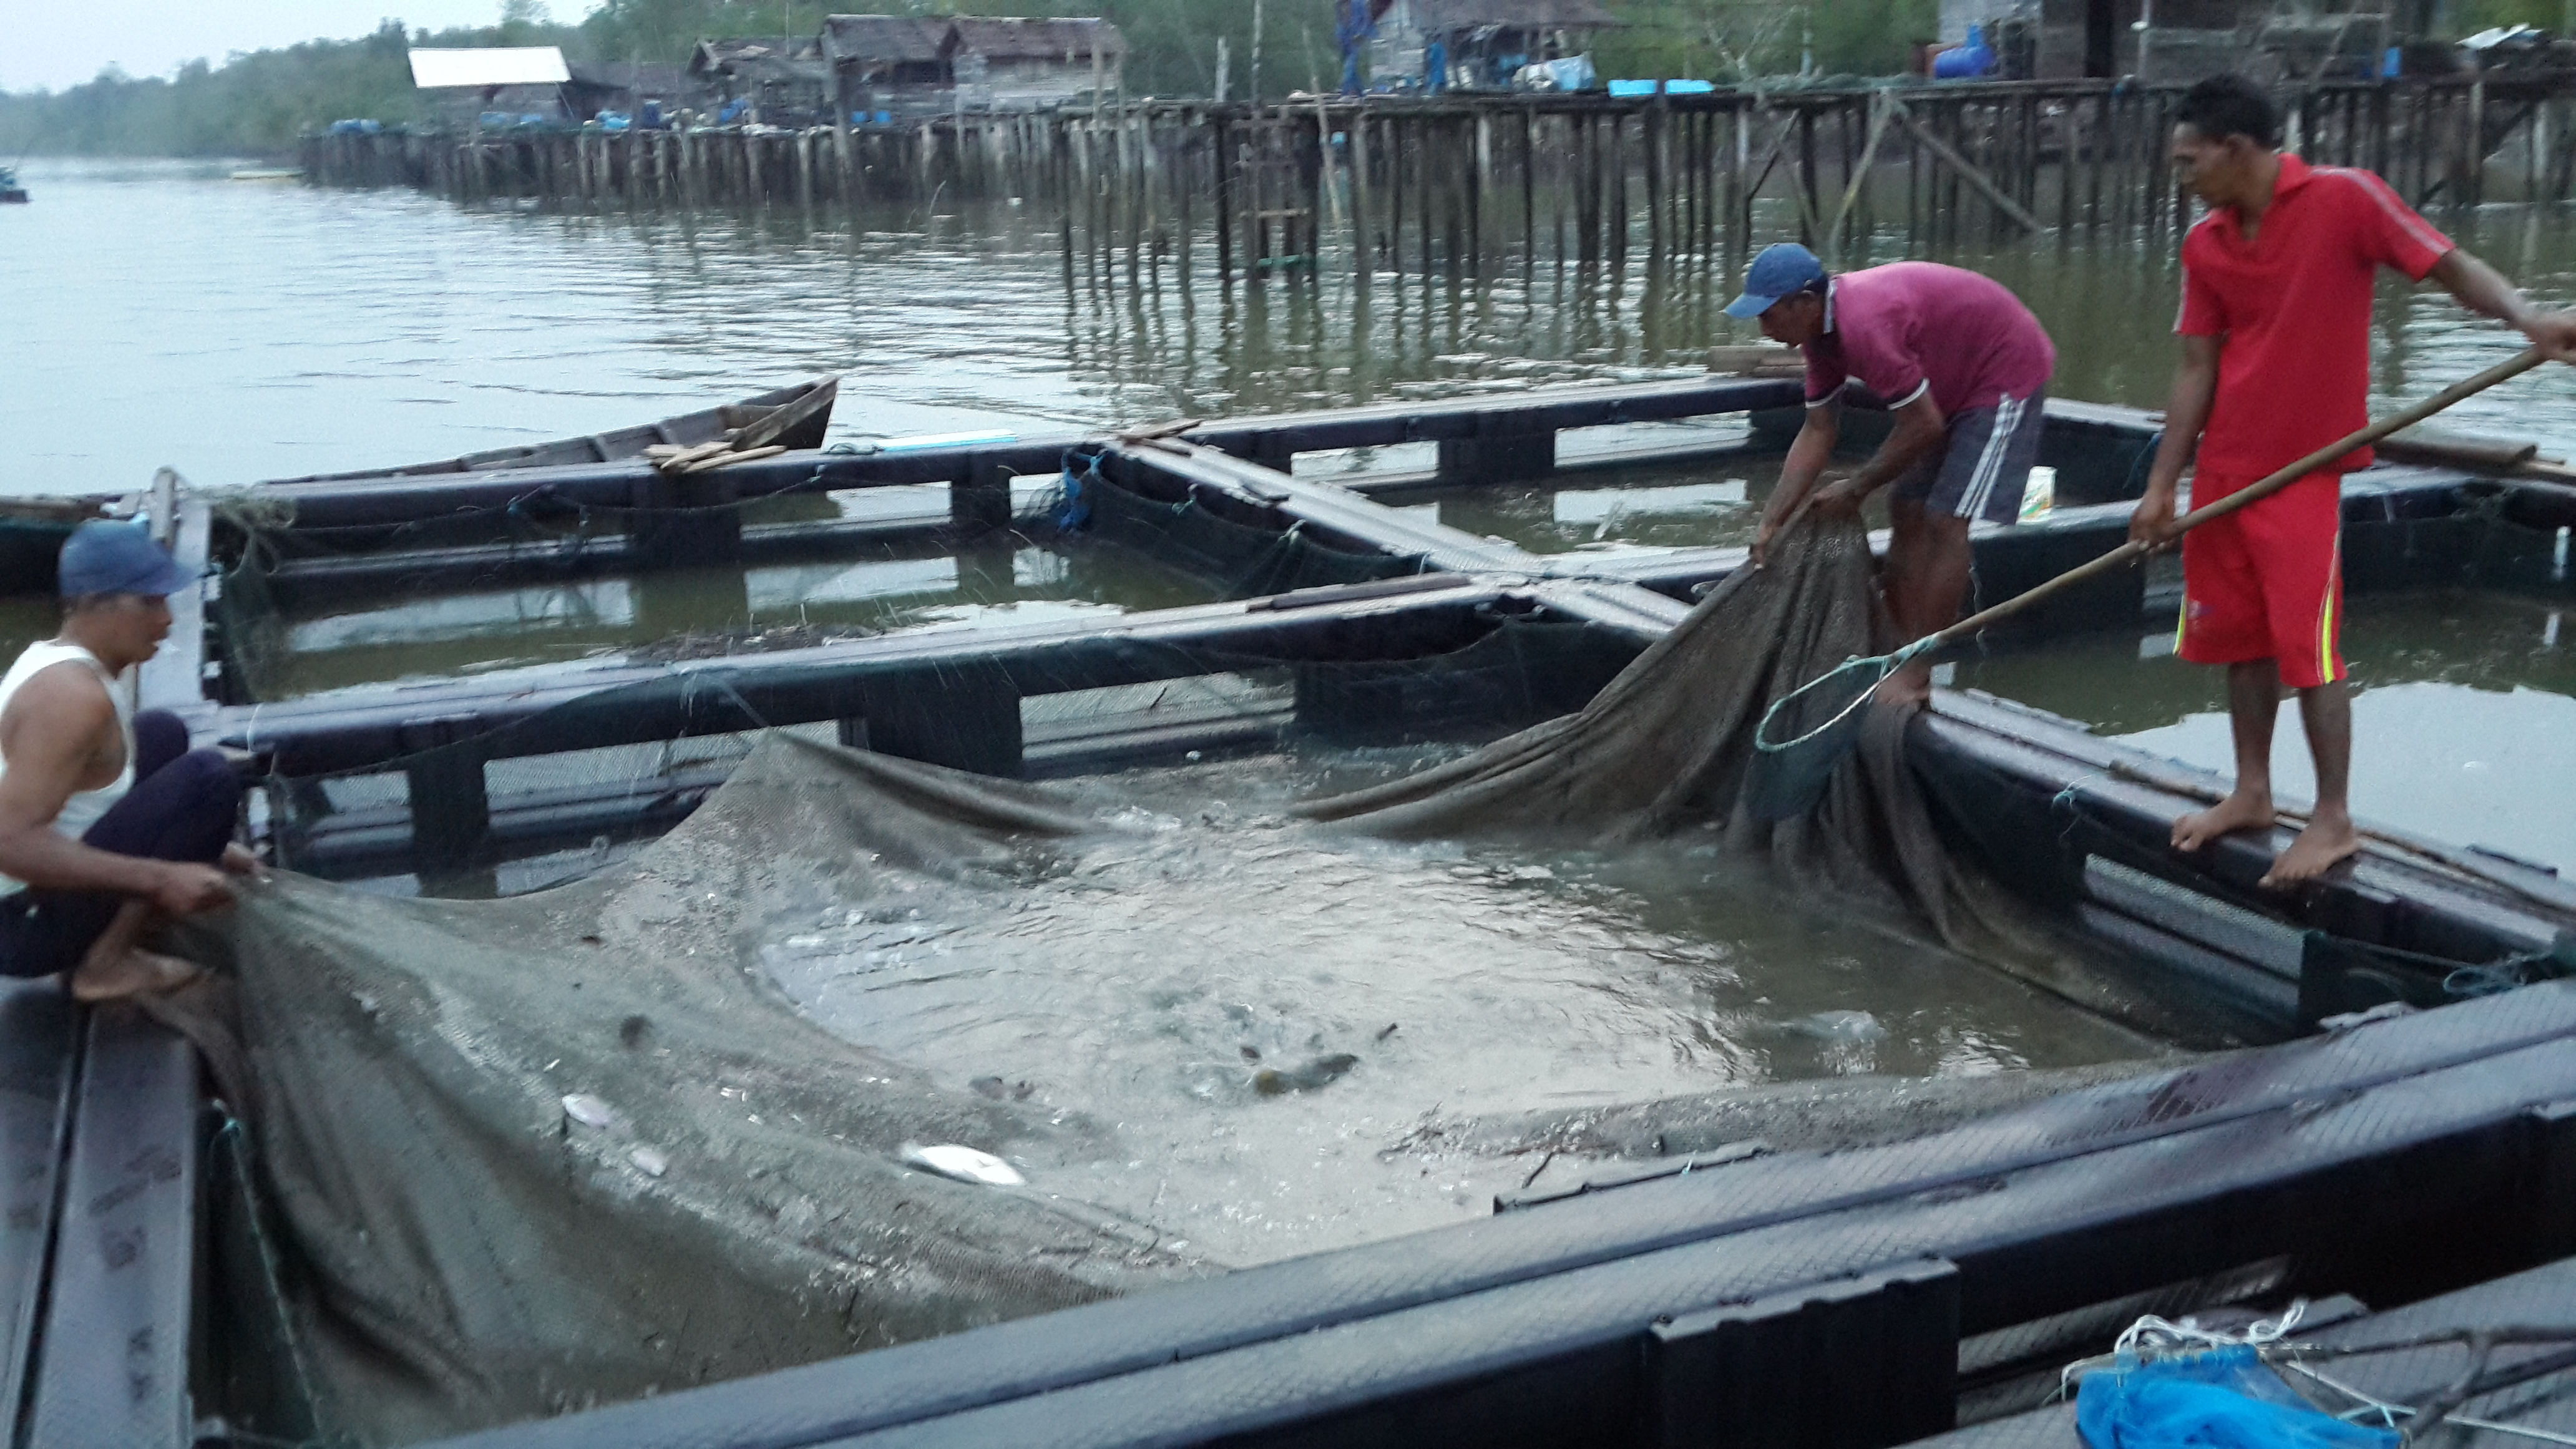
column 526, row 65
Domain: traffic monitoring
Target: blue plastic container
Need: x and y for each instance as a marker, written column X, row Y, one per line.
column 1965, row 62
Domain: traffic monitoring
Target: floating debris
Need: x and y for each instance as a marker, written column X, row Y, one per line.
column 589, row 1111
column 1321, row 1072
column 964, row 1164
column 649, row 1161
column 1843, row 1026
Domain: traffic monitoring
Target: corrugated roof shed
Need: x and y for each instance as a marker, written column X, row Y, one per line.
column 1014, row 39
column 898, row 38
column 1518, row 14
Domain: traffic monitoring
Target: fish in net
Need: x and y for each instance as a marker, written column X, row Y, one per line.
column 1668, row 744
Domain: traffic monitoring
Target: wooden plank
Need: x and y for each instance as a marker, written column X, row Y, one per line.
column 113, row 1369
column 38, row 1033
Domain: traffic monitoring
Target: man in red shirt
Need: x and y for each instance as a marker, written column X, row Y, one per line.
column 1962, row 365
column 2275, row 333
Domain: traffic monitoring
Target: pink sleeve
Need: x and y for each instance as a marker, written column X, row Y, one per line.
column 2390, row 232
column 2203, row 315
column 1824, row 377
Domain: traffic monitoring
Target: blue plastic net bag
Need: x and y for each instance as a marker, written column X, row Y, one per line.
column 2223, row 1399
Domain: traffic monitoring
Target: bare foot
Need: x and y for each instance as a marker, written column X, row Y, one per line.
column 130, row 974
column 1900, row 689
column 2327, row 840
column 2239, row 811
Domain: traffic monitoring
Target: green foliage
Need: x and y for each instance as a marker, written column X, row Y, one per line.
column 256, row 103
column 2467, row 17
column 1738, row 40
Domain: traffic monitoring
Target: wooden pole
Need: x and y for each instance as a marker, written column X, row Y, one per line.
column 1252, row 83
column 1224, row 198
column 1529, row 186
column 1363, row 244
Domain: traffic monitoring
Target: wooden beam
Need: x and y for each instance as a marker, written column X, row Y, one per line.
column 1881, row 111
column 1984, row 184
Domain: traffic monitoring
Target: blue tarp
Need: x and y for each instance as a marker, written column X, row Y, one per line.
column 2223, row 1399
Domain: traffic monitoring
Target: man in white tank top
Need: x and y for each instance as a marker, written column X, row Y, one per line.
column 108, row 826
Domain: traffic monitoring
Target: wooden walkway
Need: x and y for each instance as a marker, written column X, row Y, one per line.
column 1457, row 185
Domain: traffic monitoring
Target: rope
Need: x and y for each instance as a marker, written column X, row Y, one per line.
column 251, row 510
column 2153, row 1337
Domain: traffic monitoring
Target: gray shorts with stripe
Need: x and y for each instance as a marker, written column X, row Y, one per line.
column 1981, row 472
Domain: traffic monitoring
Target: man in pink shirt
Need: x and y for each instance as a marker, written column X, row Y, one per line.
column 1962, row 365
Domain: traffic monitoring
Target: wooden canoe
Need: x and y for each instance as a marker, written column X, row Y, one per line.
column 788, row 417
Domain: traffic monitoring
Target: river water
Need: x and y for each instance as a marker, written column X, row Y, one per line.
column 160, row 314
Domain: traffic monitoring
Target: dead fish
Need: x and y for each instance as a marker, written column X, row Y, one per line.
column 1321, row 1072
column 965, row 1164
column 589, row 1111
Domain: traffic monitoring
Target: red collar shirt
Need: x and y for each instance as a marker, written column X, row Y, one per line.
column 2292, row 310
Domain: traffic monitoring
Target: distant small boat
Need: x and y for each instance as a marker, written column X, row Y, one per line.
column 11, row 193
column 268, row 173
column 789, row 417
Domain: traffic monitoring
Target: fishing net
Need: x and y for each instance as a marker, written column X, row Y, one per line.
column 571, row 1147
column 657, row 1126
column 1667, row 745
column 544, row 580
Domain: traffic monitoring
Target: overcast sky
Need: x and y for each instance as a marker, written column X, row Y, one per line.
column 56, row 43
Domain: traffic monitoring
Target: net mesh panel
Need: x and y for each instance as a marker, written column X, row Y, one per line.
column 1246, row 560
column 1080, row 536
column 578, row 780
column 573, row 1146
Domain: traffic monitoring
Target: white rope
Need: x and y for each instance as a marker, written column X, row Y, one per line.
column 2153, row 1337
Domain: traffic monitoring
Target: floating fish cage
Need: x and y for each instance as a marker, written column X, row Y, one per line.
column 491, row 675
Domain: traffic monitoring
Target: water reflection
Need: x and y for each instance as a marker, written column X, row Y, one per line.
column 691, row 613
column 2464, row 714
column 1405, row 985
column 244, row 332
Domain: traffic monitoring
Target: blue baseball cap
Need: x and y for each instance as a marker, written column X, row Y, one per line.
column 1784, row 269
column 102, row 557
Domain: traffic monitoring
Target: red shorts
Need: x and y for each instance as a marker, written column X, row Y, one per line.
column 2267, row 582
